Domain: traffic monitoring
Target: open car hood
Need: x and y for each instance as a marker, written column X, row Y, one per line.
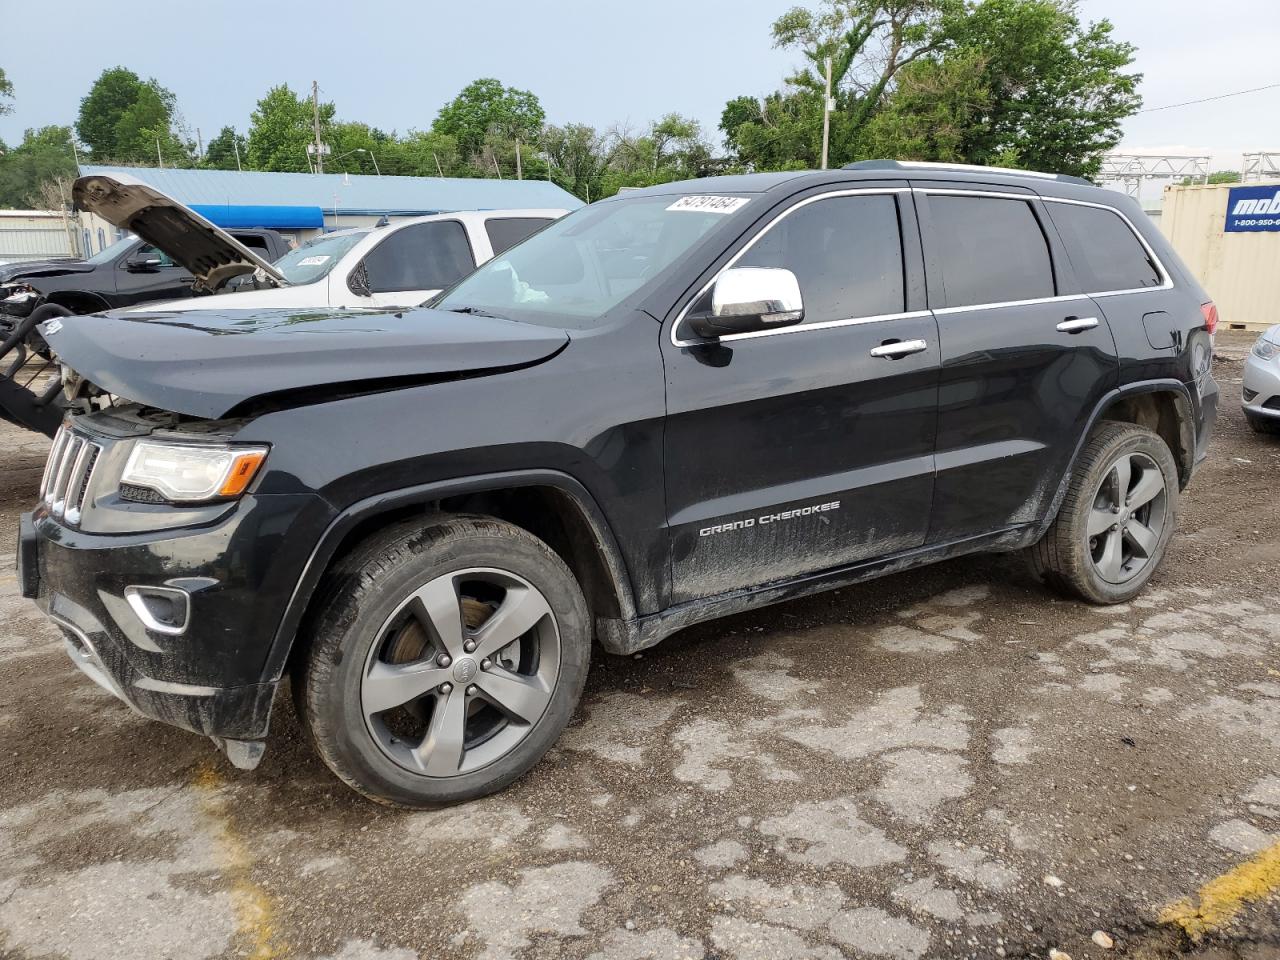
column 210, row 363
column 211, row 254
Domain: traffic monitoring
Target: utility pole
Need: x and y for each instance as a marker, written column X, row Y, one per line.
column 826, row 117
column 236, row 147
column 159, row 155
column 439, row 169
column 519, row 168
column 199, row 143
column 315, row 114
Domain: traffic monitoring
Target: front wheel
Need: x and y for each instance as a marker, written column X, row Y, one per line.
column 1116, row 519
column 448, row 659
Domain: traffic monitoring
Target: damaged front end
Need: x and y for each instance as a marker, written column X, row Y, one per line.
column 165, row 545
column 153, row 551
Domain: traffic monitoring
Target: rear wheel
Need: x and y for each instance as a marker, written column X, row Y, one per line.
column 1116, row 519
column 447, row 661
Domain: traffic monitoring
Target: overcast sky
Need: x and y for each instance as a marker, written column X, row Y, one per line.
column 394, row 64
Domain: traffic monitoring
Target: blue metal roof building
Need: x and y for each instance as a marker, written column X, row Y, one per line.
column 303, row 201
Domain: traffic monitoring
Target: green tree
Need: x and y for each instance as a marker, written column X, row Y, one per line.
column 43, row 156
column 577, row 158
column 485, row 110
column 421, row 154
column 1059, row 89
column 220, row 152
column 978, row 81
column 931, row 112
column 280, row 129
column 125, row 119
column 6, row 94
column 356, row 148
column 781, row 132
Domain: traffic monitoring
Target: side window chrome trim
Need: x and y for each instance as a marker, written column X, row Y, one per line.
column 1167, row 279
column 824, row 325
column 968, row 308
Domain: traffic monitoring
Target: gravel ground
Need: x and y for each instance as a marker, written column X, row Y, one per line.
column 946, row 763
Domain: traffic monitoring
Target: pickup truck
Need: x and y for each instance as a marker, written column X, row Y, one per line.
column 398, row 264
column 386, row 265
column 125, row 274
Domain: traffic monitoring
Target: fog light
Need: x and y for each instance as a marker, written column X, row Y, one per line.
column 161, row 609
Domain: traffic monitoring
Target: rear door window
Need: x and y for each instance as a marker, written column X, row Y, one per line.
column 846, row 253
column 991, row 250
column 1104, row 250
column 504, row 233
column 424, row 256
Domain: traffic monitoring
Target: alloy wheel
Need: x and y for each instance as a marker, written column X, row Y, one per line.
column 461, row 672
column 1126, row 522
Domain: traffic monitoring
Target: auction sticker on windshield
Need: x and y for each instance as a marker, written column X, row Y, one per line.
column 314, row 261
column 709, row 204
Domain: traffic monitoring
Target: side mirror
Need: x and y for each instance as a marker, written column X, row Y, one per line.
column 747, row 300
column 143, row 264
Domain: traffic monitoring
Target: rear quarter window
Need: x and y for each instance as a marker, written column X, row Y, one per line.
column 1105, row 252
column 505, row 232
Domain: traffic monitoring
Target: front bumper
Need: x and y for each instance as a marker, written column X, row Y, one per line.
column 1261, row 387
column 212, row 677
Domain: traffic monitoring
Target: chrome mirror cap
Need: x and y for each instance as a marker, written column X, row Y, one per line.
column 748, row 299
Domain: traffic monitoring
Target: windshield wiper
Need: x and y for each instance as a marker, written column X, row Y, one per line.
column 475, row 312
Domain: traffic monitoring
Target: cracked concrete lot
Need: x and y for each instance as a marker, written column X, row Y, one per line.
column 947, row 763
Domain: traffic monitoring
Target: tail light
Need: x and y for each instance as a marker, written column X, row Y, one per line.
column 1210, row 312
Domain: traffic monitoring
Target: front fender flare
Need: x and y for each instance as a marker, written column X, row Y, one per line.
column 346, row 520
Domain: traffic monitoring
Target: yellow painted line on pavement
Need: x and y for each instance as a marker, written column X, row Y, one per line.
column 1222, row 898
column 255, row 910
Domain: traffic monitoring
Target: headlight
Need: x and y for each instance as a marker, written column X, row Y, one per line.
column 1265, row 349
column 17, row 293
column 190, row 473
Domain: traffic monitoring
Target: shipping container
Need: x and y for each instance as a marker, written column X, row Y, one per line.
column 1229, row 236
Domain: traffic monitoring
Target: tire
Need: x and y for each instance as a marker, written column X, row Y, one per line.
column 483, row 720
column 1084, row 556
column 1264, row 425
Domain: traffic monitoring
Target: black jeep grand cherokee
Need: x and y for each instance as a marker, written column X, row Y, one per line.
column 669, row 406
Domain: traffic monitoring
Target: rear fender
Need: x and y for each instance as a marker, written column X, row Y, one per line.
column 1184, row 455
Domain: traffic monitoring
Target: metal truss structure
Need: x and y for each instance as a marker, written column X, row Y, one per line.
column 1130, row 169
column 1264, row 165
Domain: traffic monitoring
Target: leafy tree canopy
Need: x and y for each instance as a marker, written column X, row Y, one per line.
column 280, row 129
column 6, row 94
column 124, row 119
column 980, row 81
column 43, row 156
column 485, row 109
column 220, row 152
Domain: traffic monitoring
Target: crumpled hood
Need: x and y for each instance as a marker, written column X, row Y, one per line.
column 211, row 362
column 41, row 268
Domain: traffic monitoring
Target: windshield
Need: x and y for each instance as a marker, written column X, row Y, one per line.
column 109, row 253
column 315, row 258
column 572, row 272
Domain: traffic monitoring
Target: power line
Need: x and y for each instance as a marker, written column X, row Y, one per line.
column 1223, row 96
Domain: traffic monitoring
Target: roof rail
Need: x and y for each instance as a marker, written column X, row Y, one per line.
column 961, row 168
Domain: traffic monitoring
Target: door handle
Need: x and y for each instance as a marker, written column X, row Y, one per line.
column 1077, row 324
column 898, row 348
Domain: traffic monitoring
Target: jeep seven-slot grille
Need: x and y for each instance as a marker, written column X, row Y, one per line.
column 66, row 475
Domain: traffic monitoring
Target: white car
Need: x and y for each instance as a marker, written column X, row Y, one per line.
column 398, row 264
column 1261, row 386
